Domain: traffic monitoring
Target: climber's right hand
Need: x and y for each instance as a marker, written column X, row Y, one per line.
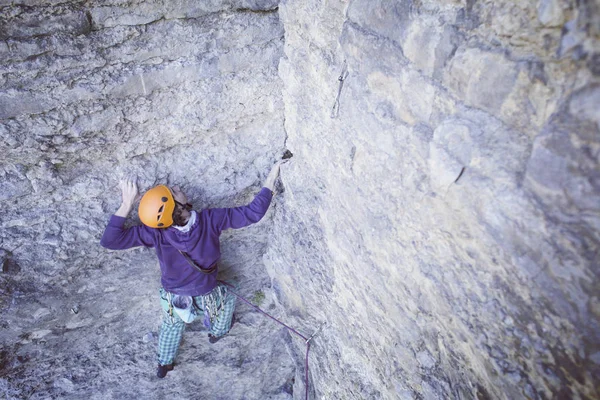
column 272, row 177
column 129, row 193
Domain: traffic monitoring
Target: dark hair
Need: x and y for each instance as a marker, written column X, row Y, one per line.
column 178, row 219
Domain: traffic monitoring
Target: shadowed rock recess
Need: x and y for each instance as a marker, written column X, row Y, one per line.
column 441, row 213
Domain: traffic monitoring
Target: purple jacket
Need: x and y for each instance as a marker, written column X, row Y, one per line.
column 201, row 243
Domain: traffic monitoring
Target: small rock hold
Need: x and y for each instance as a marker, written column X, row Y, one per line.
column 550, row 12
column 593, row 64
column 3, row 259
column 148, row 337
column 595, row 357
column 75, row 309
column 425, row 359
column 64, row 384
column 7, row 264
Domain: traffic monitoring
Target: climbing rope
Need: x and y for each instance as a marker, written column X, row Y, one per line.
column 306, row 340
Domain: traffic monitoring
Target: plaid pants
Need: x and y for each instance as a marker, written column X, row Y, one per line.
column 216, row 306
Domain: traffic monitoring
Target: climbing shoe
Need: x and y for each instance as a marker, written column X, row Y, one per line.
column 214, row 339
column 162, row 370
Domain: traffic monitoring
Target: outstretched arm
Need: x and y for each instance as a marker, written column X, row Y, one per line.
column 115, row 236
column 239, row 217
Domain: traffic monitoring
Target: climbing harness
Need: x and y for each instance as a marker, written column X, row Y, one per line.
column 306, row 340
column 335, row 110
column 212, row 304
column 170, row 301
column 187, row 307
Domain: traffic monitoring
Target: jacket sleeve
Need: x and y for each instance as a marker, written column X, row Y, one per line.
column 116, row 237
column 239, row 217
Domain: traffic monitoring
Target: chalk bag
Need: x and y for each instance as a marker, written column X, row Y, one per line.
column 184, row 307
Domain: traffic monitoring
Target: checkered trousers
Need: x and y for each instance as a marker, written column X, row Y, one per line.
column 216, row 306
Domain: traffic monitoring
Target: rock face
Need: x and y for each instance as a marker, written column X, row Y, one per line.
column 440, row 213
column 442, row 210
column 182, row 93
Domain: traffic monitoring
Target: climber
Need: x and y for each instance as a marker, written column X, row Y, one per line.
column 187, row 247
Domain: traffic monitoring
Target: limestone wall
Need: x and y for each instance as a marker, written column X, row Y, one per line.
column 444, row 220
column 440, row 213
column 181, row 92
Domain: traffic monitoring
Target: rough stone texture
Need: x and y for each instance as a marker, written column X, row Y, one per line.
column 440, row 213
column 181, row 92
column 445, row 221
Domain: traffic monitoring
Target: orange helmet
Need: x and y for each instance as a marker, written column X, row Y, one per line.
column 156, row 207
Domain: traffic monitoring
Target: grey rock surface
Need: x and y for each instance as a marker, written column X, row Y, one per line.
column 445, row 214
column 181, row 93
column 440, row 214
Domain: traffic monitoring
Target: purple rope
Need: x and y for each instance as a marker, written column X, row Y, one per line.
column 279, row 322
column 306, row 368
